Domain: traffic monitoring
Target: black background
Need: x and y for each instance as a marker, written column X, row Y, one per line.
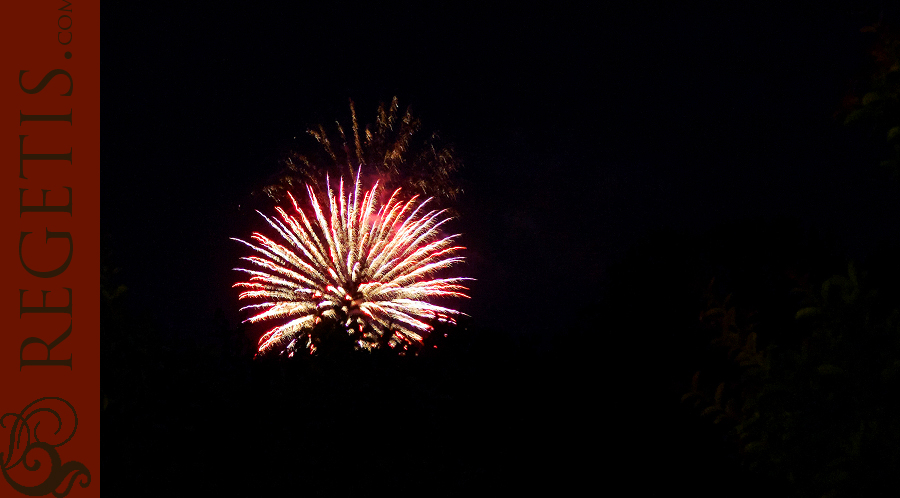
column 584, row 131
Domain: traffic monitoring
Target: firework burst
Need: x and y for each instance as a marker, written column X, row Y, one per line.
column 369, row 268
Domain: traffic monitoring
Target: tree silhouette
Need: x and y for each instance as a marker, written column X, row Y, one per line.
column 813, row 408
column 878, row 108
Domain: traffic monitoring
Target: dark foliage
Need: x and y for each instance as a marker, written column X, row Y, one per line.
column 660, row 317
column 876, row 106
column 805, row 400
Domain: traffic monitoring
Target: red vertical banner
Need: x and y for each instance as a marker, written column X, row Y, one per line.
column 50, row 249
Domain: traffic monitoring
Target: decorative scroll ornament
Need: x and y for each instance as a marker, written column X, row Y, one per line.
column 34, row 435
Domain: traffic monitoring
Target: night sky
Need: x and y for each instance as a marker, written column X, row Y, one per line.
column 583, row 132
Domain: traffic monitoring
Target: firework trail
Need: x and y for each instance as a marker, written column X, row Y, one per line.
column 394, row 147
column 366, row 266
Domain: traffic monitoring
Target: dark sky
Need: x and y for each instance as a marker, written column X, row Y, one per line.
column 582, row 132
